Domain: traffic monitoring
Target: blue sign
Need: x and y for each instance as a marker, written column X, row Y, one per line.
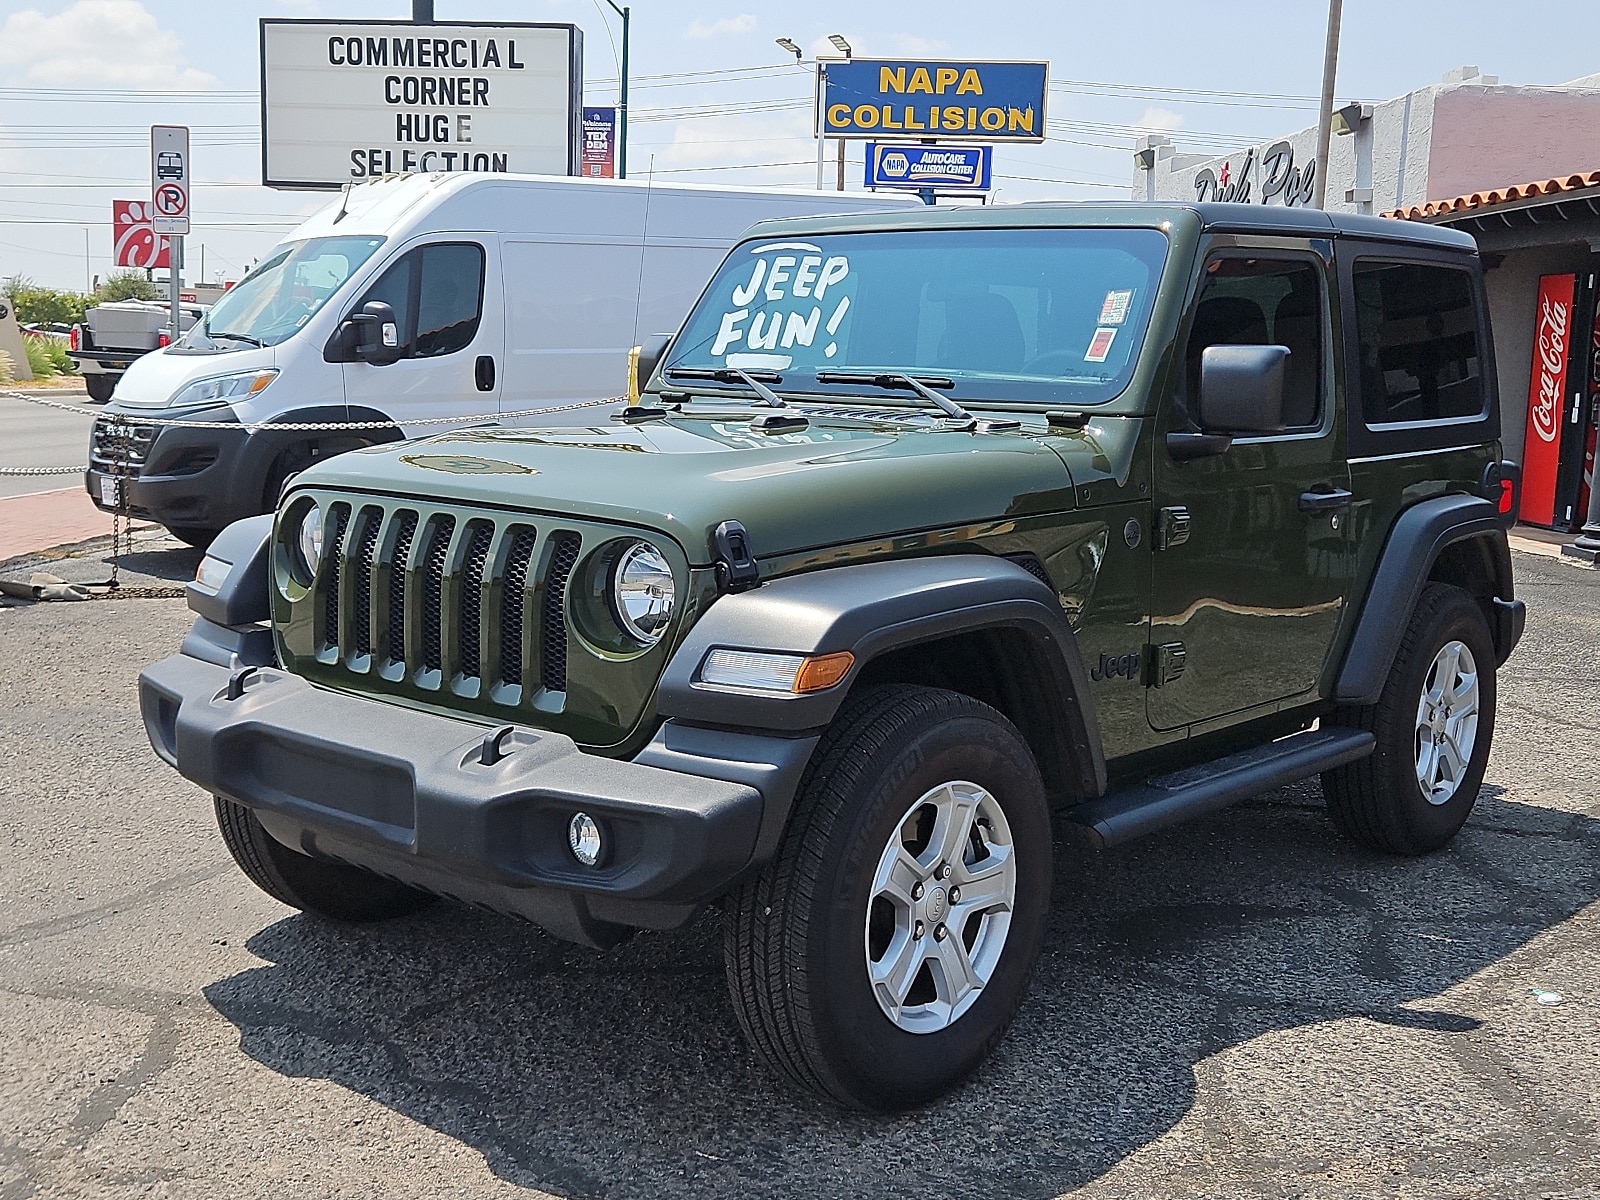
column 944, row 168
column 995, row 101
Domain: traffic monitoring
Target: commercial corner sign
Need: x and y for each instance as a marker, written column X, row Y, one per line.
column 136, row 243
column 346, row 101
column 943, row 168
column 921, row 99
column 169, row 179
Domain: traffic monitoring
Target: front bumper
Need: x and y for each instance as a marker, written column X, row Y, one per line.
column 406, row 794
column 185, row 477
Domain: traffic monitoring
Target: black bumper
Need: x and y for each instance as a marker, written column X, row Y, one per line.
column 191, row 478
column 405, row 793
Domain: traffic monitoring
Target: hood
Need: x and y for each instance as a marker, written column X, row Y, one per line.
column 155, row 378
column 836, row 482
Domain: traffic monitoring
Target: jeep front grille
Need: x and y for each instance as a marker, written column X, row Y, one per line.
column 475, row 605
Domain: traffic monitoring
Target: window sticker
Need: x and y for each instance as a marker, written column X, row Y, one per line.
column 1100, row 345
column 1114, row 309
column 793, row 298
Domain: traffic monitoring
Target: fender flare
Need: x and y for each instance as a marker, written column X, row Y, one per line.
column 264, row 443
column 1419, row 535
column 870, row 609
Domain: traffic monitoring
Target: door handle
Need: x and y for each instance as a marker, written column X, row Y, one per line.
column 483, row 373
column 1321, row 502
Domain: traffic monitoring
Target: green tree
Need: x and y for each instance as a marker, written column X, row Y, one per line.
column 43, row 305
column 126, row 285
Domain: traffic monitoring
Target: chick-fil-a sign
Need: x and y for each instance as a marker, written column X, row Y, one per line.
column 1547, row 383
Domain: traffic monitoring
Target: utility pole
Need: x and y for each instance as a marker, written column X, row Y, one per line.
column 841, row 163
column 1330, row 67
column 622, row 102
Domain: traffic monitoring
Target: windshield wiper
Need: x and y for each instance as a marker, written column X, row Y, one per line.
column 890, row 380
column 236, row 337
column 756, row 381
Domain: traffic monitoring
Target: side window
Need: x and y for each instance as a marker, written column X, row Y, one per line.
column 451, row 300
column 437, row 296
column 1417, row 327
column 1249, row 301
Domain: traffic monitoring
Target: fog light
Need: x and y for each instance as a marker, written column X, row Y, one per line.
column 583, row 835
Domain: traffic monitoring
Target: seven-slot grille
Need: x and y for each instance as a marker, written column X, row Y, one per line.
column 424, row 596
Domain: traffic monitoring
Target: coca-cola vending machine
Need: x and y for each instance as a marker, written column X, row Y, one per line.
column 1561, row 389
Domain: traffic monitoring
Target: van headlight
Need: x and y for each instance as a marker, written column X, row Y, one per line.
column 642, row 593
column 309, row 541
column 222, row 388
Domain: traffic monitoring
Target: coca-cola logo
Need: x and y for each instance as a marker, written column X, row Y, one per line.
column 1551, row 355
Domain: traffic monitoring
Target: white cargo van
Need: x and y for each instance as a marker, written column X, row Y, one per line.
column 414, row 297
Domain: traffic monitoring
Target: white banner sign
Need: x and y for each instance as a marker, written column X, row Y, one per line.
column 352, row 100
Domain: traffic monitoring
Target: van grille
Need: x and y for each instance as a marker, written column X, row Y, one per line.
column 115, row 446
column 447, row 612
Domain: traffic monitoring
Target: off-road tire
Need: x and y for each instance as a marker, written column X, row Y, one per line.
column 99, row 387
column 328, row 889
column 1377, row 801
column 793, row 936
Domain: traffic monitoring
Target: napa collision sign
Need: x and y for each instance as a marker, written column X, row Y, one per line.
column 922, row 99
column 346, row 101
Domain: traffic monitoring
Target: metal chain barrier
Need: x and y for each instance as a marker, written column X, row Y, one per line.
column 119, row 430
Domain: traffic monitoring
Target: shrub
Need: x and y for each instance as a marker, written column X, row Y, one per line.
column 126, row 285
column 33, row 303
column 40, row 360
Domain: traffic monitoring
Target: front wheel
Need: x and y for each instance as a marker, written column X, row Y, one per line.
column 882, row 953
column 1433, row 721
column 329, row 889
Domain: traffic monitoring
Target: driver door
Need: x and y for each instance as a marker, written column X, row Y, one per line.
column 1252, row 562
column 446, row 298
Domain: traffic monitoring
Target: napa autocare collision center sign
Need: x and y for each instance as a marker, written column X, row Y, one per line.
column 345, row 101
column 902, row 98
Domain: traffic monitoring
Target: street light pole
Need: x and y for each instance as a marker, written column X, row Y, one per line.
column 1330, row 66
column 622, row 104
column 422, row 12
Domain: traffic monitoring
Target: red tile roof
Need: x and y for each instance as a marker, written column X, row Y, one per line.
column 1488, row 199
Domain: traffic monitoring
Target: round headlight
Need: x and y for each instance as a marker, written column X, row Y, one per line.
column 310, row 539
column 642, row 592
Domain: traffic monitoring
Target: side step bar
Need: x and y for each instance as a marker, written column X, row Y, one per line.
column 1132, row 812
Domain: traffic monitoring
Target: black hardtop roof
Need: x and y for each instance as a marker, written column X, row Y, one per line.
column 1233, row 218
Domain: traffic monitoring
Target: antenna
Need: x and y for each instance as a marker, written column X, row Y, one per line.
column 344, row 203
column 644, row 242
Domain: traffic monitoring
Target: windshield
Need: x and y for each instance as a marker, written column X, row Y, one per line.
column 283, row 292
column 1047, row 315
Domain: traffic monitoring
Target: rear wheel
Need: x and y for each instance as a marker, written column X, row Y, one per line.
column 99, row 386
column 881, row 954
column 329, row 889
column 1434, row 722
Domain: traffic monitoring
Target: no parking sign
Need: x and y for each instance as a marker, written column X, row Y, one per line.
column 169, row 179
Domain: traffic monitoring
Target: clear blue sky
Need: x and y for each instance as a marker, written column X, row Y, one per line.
column 66, row 151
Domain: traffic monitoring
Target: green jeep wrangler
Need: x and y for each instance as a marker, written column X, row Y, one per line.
column 930, row 535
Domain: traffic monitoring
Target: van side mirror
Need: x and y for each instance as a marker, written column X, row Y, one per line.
column 371, row 335
column 1241, row 389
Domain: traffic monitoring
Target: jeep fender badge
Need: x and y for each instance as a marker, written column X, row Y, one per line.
column 1132, row 534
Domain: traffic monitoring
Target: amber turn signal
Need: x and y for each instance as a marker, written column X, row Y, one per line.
column 823, row 671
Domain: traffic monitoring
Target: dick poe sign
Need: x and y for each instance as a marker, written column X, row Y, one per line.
column 875, row 98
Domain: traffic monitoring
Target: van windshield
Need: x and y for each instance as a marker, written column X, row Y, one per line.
column 1034, row 315
column 282, row 293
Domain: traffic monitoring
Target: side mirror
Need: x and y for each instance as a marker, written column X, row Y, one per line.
column 371, row 335
column 1241, row 389
column 642, row 362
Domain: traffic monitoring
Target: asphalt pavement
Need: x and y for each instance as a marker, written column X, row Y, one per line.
column 1248, row 1006
column 34, row 436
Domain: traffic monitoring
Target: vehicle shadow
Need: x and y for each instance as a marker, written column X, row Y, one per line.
column 588, row 1074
